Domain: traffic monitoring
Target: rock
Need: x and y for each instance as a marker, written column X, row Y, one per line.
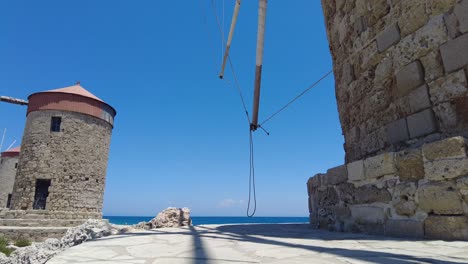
column 120, row 229
column 143, row 225
column 37, row 253
column 4, row 259
column 91, row 229
column 172, row 217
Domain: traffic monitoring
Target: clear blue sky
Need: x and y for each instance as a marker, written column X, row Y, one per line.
column 180, row 137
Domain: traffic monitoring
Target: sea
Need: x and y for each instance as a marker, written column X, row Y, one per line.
column 212, row 220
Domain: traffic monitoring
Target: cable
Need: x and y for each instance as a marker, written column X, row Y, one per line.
column 295, row 98
column 252, row 179
column 236, row 80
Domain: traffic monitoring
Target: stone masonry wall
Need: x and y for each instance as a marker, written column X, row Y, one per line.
column 421, row 192
column 75, row 160
column 7, row 178
column 401, row 72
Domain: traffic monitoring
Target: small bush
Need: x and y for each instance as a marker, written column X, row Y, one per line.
column 22, row 242
column 3, row 241
column 3, row 246
column 6, row 251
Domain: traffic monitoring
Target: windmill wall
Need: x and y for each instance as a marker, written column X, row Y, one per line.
column 8, row 166
column 73, row 159
column 400, row 71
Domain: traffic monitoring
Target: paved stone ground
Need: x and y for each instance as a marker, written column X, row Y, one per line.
column 268, row 243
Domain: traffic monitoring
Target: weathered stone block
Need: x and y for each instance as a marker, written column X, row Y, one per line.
column 461, row 11
column 368, row 214
column 446, row 114
column 397, row 131
column 449, row 87
column 408, row 78
column 315, row 181
column 356, row 170
column 439, row 170
column 388, row 37
column 404, row 228
column 421, row 124
column 404, row 199
column 337, row 175
column 450, row 148
column 454, row 53
column 425, row 40
column 348, row 73
column 451, row 22
column 419, row 99
column 366, row 194
column 446, row 227
column 380, row 165
column 413, row 16
column 409, row 164
column 440, row 198
column 435, row 7
column 432, row 64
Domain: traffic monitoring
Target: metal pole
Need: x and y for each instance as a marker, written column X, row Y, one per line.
column 259, row 61
column 231, row 33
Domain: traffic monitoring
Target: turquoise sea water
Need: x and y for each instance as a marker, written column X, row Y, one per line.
column 206, row 220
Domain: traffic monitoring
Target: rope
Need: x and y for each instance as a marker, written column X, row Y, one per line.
column 295, row 98
column 252, row 180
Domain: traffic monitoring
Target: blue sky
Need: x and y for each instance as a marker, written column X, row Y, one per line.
column 180, row 137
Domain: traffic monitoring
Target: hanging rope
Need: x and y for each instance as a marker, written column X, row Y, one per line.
column 252, row 179
column 252, row 201
column 295, row 98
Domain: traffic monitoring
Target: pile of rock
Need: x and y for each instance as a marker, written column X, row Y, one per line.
column 39, row 253
column 170, row 217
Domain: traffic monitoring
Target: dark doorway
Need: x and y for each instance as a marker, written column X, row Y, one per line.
column 42, row 191
column 8, row 203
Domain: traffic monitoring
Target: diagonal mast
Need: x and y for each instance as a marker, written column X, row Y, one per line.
column 231, row 33
column 259, row 61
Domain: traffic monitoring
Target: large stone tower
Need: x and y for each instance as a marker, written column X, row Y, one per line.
column 64, row 153
column 401, row 85
column 8, row 166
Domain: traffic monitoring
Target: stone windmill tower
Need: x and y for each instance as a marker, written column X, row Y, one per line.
column 401, row 70
column 8, row 166
column 63, row 162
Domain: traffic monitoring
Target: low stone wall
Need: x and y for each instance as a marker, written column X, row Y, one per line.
column 418, row 193
column 32, row 234
column 46, row 214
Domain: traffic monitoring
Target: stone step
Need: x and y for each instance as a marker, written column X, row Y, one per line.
column 40, row 222
column 36, row 234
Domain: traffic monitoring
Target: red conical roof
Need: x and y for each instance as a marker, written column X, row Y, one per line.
column 11, row 152
column 75, row 89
